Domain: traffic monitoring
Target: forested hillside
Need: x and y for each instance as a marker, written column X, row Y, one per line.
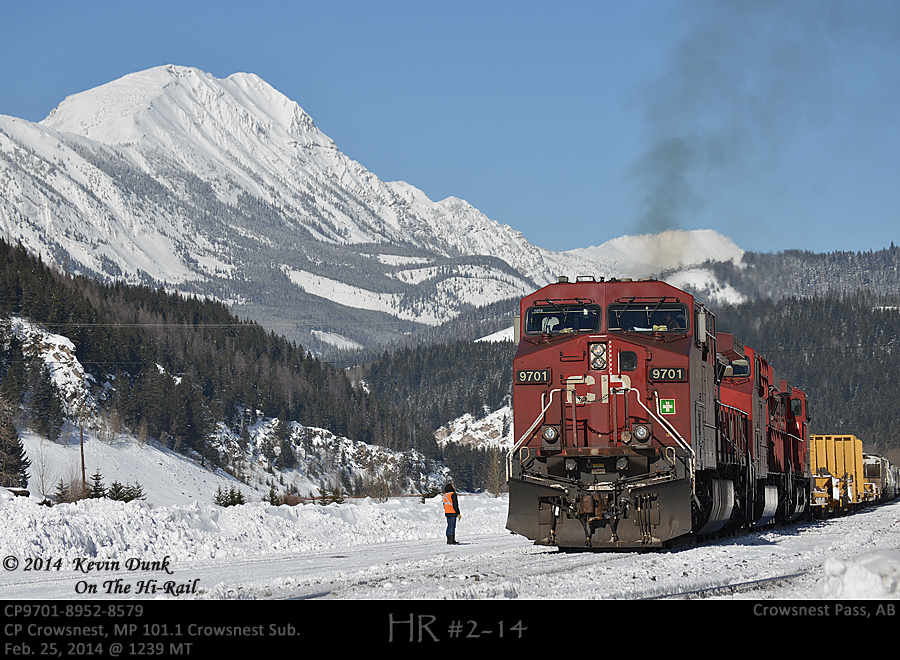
column 171, row 367
column 801, row 274
column 441, row 382
column 844, row 350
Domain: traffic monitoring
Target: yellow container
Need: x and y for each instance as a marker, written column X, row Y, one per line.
column 840, row 456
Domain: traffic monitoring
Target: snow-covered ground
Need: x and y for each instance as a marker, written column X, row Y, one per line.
column 363, row 549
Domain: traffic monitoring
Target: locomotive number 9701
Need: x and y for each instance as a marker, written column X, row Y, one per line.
column 668, row 373
column 533, row 376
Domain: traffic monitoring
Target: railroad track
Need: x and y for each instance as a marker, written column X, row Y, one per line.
column 731, row 588
column 308, row 596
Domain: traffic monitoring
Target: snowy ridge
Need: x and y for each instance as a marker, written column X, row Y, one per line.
column 494, row 430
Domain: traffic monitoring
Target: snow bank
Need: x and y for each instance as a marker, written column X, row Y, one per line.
column 257, row 550
column 871, row 575
column 106, row 529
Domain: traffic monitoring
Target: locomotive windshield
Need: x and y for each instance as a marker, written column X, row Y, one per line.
column 562, row 319
column 647, row 317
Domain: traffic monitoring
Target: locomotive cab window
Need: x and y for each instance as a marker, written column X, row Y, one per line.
column 644, row 317
column 562, row 319
column 738, row 369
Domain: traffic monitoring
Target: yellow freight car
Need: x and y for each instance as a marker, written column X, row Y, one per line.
column 836, row 463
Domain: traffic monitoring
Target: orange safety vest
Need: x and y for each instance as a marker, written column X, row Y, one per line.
column 448, row 503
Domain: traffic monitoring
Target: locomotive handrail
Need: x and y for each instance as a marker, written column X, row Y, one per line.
column 527, row 434
column 745, row 452
column 671, row 429
column 537, row 420
column 725, row 405
column 668, row 426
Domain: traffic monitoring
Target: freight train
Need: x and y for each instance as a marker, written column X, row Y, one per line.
column 844, row 478
column 637, row 424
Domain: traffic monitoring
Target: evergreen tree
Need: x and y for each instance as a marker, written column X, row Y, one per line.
column 232, row 497
column 287, row 459
column 116, row 491
column 235, row 496
column 63, row 493
column 98, row 490
column 14, row 463
column 273, row 498
column 47, row 414
column 134, row 492
column 220, row 497
column 13, row 385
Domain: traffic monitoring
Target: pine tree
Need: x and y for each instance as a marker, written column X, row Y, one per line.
column 14, row 463
column 98, row 490
column 135, row 492
column 221, row 498
column 116, row 491
column 286, row 457
column 14, row 383
column 273, row 498
column 231, row 498
column 62, row 494
column 47, row 414
column 235, row 496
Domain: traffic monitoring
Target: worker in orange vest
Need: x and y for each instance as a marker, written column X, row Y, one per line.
column 451, row 510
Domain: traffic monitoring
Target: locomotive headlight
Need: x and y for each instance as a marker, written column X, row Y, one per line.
column 598, row 356
column 550, row 434
column 641, row 432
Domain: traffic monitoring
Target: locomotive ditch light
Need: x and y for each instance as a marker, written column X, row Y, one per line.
column 550, row 434
column 571, row 464
column 622, row 464
column 641, row 432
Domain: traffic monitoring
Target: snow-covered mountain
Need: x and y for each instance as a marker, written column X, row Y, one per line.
column 226, row 188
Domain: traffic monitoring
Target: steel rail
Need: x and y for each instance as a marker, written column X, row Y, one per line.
column 733, row 587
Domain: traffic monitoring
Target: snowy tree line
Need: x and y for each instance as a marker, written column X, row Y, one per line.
column 802, row 274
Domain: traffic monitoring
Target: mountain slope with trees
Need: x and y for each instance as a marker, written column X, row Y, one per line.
column 803, row 274
column 173, row 367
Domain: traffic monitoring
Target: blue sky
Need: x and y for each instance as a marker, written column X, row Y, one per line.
column 775, row 123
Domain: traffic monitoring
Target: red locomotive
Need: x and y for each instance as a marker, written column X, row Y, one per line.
column 636, row 423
